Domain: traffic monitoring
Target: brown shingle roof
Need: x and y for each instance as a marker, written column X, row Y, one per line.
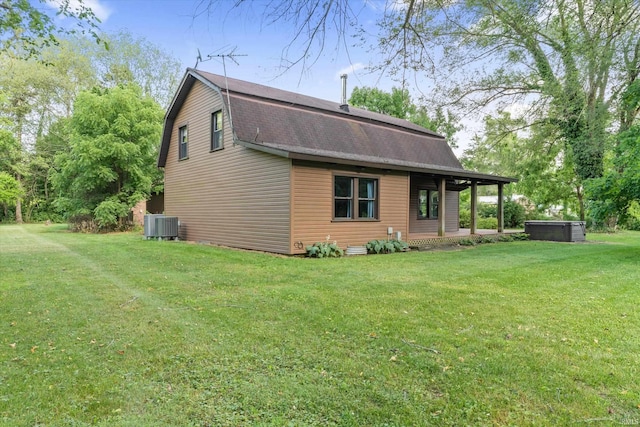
column 296, row 125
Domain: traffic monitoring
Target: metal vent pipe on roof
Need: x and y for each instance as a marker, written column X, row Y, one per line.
column 343, row 102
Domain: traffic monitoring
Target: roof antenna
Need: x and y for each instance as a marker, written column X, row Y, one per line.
column 231, row 56
column 199, row 59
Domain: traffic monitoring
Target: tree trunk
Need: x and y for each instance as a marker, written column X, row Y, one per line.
column 19, row 203
column 19, row 211
column 580, row 197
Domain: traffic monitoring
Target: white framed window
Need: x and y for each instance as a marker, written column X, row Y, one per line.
column 216, row 130
column 355, row 198
column 183, row 143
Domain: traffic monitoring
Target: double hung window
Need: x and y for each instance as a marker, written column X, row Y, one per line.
column 216, row 130
column 355, row 198
column 183, row 143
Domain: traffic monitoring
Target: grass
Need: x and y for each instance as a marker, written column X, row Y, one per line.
column 119, row 331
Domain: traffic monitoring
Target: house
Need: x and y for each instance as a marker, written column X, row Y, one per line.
column 255, row 167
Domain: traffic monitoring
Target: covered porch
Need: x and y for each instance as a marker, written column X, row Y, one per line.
column 434, row 210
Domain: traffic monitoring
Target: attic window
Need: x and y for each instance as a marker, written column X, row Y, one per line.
column 216, row 130
column 355, row 198
column 183, row 143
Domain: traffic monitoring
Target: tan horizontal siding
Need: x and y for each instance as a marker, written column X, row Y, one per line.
column 312, row 207
column 452, row 208
column 236, row 196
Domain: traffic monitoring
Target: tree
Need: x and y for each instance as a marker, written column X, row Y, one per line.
column 497, row 151
column 37, row 95
column 25, row 30
column 613, row 194
column 32, row 96
column 511, row 147
column 10, row 191
column 398, row 103
column 12, row 163
column 133, row 59
column 110, row 164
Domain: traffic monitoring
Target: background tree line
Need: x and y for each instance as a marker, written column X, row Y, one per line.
column 80, row 118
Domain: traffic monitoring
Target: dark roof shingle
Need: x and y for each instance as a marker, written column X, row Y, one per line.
column 290, row 123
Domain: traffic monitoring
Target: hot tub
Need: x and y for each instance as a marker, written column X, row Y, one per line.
column 558, row 231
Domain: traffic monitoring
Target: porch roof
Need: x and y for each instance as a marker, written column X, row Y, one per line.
column 327, row 156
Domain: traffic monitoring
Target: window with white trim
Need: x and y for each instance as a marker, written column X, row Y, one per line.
column 355, row 198
column 183, row 143
column 216, row 130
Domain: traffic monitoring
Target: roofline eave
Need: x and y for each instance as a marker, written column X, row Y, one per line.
column 479, row 178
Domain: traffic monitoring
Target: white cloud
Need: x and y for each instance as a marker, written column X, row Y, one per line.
column 350, row 69
column 101, row 11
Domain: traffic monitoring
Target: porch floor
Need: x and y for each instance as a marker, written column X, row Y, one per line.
column 420, row 239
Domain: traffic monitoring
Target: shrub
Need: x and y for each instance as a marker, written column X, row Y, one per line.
column 82, row 224
column 536, row 215
column 487, row 210
column 110, row 214
column 465, row 218
column 505, row 238
column 486, row 239
column 520, row 236
column 488, row 223
column 466, row 242
column 386, row 246
column 324, row 249
column 514, row 214
column 42, row 216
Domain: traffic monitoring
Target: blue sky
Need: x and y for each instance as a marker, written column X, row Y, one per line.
column 173, row 26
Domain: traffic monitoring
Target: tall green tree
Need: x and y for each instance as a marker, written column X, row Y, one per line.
column 37, row 95
column 110, row 164
column 564, row 56
column 132, row 59
column 613, row 194
column 10, row 191
column 12, row 165
column 497, row 149
column 398, row 103
column 511, row 147
column 26, row 29
column 32, row 96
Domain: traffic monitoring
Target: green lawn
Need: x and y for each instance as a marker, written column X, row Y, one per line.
column 114, row 330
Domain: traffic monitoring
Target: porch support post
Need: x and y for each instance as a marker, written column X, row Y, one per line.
column 500, row 208
column 474, row 206
column 442, row 189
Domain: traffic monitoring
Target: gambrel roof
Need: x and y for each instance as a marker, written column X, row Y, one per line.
column 302, row 127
